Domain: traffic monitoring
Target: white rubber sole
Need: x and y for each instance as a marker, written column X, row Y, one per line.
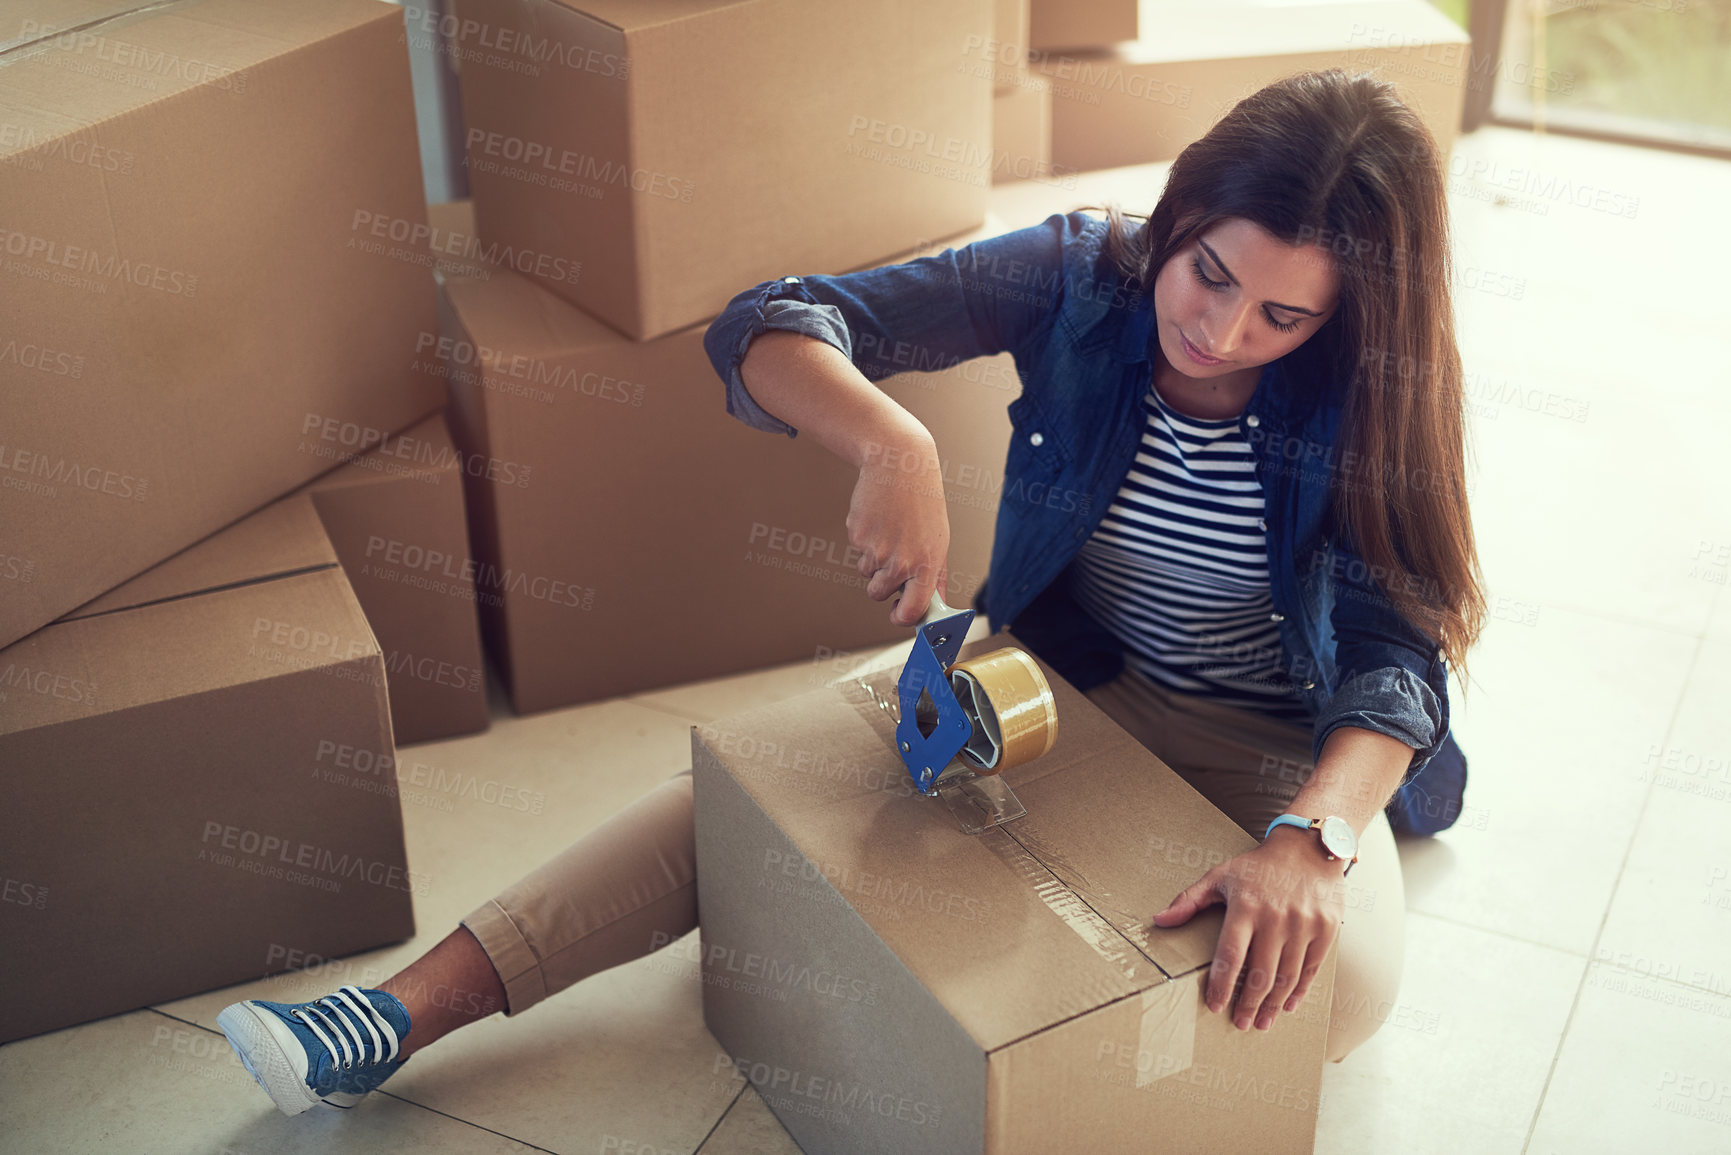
column 271, row 1054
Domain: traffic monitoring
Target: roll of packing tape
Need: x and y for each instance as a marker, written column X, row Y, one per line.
column 1010, row 703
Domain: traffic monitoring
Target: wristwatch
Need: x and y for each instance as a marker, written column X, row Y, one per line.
column 1338, row 839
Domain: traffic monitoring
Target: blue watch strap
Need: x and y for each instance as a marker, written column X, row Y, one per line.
column 1286, row 820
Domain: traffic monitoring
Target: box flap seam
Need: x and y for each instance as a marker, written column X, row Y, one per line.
column 198, row 593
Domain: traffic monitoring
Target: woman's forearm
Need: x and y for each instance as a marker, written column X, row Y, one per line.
column 809, row 384
column 1357, row 774
column 896, row 520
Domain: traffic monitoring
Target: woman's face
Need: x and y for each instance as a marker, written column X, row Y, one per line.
column 1236, row 297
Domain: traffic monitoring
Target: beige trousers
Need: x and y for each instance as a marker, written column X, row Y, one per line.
column 630, row 885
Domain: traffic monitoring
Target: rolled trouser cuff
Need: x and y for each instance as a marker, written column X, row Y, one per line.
column 509, row 952
column 621, row 891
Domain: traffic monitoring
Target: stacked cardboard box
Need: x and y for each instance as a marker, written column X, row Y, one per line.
column 196, row 768
column 177, row 313
column 1144, row 101
column 891, row 984
column 646, row 160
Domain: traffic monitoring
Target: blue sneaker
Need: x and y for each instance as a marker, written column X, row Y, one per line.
column 338, row 1047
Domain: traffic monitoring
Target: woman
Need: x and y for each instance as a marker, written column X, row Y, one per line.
column 1234, row 514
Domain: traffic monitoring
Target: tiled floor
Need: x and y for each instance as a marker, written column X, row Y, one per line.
column 1568, row 983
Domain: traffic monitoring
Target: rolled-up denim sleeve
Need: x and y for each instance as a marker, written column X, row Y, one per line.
column 821, row 321
column 926, row 314
column 1391, row 676
column 1392, row 701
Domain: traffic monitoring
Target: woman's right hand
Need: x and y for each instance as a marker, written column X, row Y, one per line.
column 901, row 526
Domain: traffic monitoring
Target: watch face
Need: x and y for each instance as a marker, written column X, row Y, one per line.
column 1338, row 837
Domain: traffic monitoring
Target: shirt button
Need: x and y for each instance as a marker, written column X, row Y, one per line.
column 1253, row 421
column 1036, row 438
column 1277, row 617
column 790, row 281
column 1310, row 685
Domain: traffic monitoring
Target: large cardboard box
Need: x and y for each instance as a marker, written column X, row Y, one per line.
column 195, row 768
column 644, row 160
column 1145, row 101
column 890, row 984
column 658, row 540
column 200, row 255
column 1055, row 24
column 396, row 520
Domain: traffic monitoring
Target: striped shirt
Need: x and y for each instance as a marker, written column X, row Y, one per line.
column 1178, row 568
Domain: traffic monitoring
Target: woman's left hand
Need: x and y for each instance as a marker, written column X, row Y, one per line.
column 1284, row 902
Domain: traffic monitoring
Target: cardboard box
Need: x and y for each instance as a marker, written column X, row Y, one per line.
column 1145, row 101
column 660, row 540
column 395, row 519
column 1056, row 24
column 890, row 984
column 645, row 160
column 189, row 272
column 196, row 771
column 1022, row 132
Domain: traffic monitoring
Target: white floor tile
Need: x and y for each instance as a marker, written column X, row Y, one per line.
column 1717, row 571
column 1554, row 729
column 1461, row 1058
column 1646, row 1066
column 1671, row 916
column 144, row 1083
column 621, row 1062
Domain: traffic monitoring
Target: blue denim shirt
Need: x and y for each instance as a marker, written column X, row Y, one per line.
column 1081, row 339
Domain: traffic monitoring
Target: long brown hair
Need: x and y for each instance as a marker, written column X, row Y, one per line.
column 1336, row 160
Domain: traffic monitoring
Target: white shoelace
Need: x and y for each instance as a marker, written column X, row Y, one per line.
column 348, row 1006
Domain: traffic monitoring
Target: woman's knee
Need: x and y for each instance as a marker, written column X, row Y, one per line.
column 1371, row 948
column 1364, row 999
